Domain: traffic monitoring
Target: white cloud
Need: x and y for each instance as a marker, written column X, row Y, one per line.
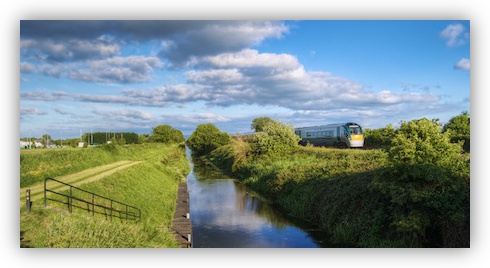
column 463, row 64
column 252, row 58
column 121, row 70
column 131, row 69
column 250, row 77
column 43, row 95
column 454, row 34
column 26, row 67
column 67, row 50
column 31, row 111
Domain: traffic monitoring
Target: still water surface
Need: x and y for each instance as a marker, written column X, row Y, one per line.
column 225, row 214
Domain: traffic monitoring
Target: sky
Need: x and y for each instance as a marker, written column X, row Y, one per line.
column 129, row 75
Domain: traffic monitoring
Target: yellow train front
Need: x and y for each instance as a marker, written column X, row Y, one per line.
column 355, row 138
column 347, row 135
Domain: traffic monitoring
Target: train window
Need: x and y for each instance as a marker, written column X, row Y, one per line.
column 355, row 130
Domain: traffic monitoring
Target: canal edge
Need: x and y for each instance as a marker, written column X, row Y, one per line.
column 181, row 223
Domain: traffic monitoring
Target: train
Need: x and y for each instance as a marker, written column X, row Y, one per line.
column 342, row 135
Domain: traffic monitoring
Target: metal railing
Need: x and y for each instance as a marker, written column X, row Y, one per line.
column 96, row 204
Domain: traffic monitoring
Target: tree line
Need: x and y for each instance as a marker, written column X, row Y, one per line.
column 161, row 134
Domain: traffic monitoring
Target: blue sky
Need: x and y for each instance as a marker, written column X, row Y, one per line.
column 82, row 76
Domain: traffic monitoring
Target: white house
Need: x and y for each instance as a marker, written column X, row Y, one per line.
column 24, row 144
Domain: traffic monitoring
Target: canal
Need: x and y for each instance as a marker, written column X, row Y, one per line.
column 225, row 214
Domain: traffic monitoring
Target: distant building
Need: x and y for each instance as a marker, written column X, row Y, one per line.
column 26, row 144
column 80, row 144
column 38, row 144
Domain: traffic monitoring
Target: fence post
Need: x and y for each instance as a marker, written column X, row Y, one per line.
column 69, row 200
column 93, row 204
column 45, row 192
column 28, row 201
column 111, row 210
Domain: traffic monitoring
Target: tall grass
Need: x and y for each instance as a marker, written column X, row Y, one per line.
column 150, row 185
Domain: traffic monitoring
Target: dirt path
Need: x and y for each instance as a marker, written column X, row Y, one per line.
column 76, row 179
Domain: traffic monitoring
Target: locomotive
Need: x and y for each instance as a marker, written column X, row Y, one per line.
column 344, row 135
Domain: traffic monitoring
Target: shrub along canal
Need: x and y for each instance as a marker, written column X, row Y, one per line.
column 225, row 214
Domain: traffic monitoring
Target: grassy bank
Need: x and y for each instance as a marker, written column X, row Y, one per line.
column 150, row 184
column 337, row 190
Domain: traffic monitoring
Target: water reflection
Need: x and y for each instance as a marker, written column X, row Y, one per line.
column 225, row 214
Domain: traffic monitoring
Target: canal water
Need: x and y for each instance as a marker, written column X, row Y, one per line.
column 225, row 214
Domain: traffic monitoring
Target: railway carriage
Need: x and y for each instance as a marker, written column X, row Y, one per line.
column 336, row 135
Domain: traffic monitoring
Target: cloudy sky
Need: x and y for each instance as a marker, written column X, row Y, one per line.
column 82, row 76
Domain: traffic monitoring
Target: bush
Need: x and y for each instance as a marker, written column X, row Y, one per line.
column 206, row 138
column 428, row 184
column 379, row 138
column 276, row 140
column 421, row 142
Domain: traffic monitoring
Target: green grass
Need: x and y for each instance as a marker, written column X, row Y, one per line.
column 150, row 185
column 38, row 164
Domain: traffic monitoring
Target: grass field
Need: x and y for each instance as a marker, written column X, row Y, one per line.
column 145, row 176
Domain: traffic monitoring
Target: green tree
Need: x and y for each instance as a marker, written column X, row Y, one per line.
column 206, row 138
column 276, row 139
column 259, row 123
column 458, row 128
column 427, row 183
column 166, row 134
